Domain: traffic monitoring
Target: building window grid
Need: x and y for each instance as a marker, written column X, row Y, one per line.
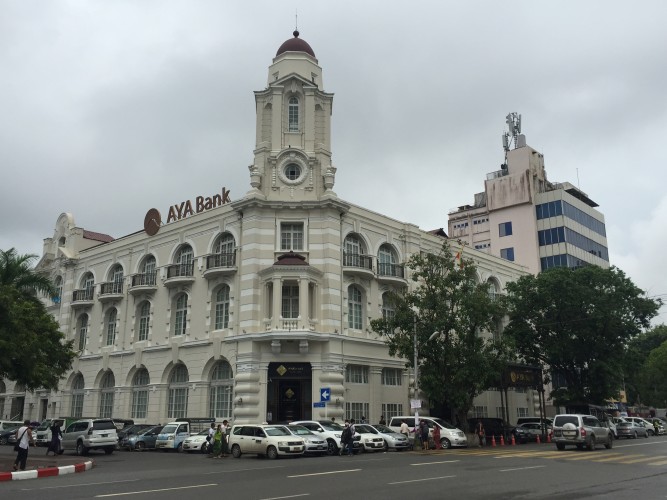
column 83, row 331
column 291, row 236
column 220, row 395
column 505, row 229
column 140, row 394
column 107, row 395
column 293, row 114
column 144, row 320
column 507, row 253
column 479, row 412
column 356, row 374
column 388, row 309
column 390, row 410
column 392, row 376
column 559, row 207
column 225, row 244
column 355, row 309
column 521, row 412
column 111, row 327
column 76, row 408
column 290, row 301
column 356, row 410
column 180, row 320
column 222, row 308
column 177, row 404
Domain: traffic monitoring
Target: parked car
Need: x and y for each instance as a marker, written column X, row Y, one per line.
column 392, row 440
column 264, row 439
column 144, row 440
column 532, row 420
column 133, row 429
column 497, row 427
column 630, row 430
column 370, row 439
column 580, row 430
column 331, row 431
column 8, row 425
column 661, row 425
column 535, row 429
column 315, row 444
column 5, row 435
column 449, row 435
column 650, row 430
column 90, row 434
column 43, row 432
column 197, row 442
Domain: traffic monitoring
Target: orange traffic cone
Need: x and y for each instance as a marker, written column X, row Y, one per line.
column 493, row 441
column 513, row 441
column 538, row 439
column 502, row 440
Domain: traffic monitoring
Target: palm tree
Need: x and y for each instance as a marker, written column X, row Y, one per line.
column 16, row 271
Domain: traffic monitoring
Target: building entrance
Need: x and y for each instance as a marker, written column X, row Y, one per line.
column 289, row 394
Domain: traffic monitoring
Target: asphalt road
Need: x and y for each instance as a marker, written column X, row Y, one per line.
column 632, row 469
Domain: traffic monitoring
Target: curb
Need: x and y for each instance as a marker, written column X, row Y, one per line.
column 46, row 472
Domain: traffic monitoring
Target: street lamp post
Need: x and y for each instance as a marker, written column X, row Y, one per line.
column 416, row 360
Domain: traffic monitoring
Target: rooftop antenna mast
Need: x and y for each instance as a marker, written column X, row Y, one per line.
column 296, row 19
column 513, row 121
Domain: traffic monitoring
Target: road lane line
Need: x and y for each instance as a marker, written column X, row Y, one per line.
column 586, row 456
column 423, row 479
column 156, row 491
column 442, row 462
column 325, row 473
column 80, row 484
column 290, row 496
column 243, row 470
column 522, row 468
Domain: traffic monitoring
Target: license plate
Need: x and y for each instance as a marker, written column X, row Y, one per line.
column 104, row 435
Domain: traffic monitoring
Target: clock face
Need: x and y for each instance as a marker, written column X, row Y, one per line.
column 152, row 222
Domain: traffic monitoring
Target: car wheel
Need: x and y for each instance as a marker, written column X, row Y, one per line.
column 140, row 446
column 236, row 451
column 445, row 443
column 81, row 450
column 271, row 452
column 646, row 435
column 649, row 433
column 591, row 444
column 4, row 440
column 635, row 436
column 386, row 447
column 560, row 446
column 109, row 450
column 332, row 449
column 179, row 448
column 610, row 441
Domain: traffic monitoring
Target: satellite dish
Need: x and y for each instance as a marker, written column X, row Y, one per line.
column 152, row 222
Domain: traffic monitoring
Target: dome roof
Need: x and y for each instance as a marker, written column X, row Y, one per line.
column 295, row 44
column 291, row 259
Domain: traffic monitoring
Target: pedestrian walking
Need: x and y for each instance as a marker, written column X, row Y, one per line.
column 481, row 433
column 423, row 432
column 382, row 420
column 209, row 439
column 217, row 442
column 225, row 438
column 55, row 445
column 23, row 440
column 345, row 437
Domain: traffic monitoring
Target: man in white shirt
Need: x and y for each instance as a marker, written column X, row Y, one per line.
column 23, row 440
column 405, row 430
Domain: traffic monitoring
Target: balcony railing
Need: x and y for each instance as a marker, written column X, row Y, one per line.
column 146, row 279
column 221, row 260
column 395, row 270
column 111, row 288
column 83, row 294
column 180, row 270
column 358, row 260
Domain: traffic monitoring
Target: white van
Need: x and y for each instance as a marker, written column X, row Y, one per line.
column 9, row 425
column 449, row 435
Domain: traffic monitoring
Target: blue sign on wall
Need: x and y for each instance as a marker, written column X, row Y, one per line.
column 325, row 394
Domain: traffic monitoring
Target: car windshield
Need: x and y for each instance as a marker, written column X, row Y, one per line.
column 276, row 431
column 444, row 424
column 361, row 428
column 144, row 431
column 103, row 425
column 332, row 426
column 300, row 430
column 383, row 428
column 44, row 426
column 168, row 429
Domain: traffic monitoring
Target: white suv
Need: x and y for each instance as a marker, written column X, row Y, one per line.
column 580, row 430
column 331, row 431
column 90, row 434
column 263, row 439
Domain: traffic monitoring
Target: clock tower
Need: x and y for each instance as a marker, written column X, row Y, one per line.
column 293, row 136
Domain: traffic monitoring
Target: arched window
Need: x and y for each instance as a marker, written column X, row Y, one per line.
column 220, row 394
column 224, row 252
column 181, row 314
column 352, row 251
column 58, row 284
column 493, row 287
column 76, row 409
column 388, row 308
column 225, row 244
column 88, row 286
column 144, row 320
column 81, row 331
column 106, row 394
column 148, row 271
column 222, row 308
column 117, row 279
column 140, row 393
column 185, row 259
column 386, row 261
column 354, row 308
column 111, row 326
column 177, row 405
column 293, row 114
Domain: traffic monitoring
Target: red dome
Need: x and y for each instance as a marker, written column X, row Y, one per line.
column 295, row 45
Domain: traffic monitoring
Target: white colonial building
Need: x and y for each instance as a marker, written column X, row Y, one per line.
column 242, row 309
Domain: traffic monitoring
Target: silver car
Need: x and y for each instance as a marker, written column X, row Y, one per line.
column 315, row 444
column 392, row 440
column 580, row 431
column 90, row 434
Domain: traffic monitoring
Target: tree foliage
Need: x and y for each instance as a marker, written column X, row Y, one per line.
column 636, row 380
column 577, row 322
column 34, row 351
column 464, row 358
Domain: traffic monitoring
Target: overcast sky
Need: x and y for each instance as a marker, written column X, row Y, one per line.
column 109, row 108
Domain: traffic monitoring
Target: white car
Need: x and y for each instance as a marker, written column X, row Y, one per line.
column 650, row 430
column 370, row 439
column 392, row 440
column 271, row 441
column 331, row 431
column 196, row 442
column 315, row 445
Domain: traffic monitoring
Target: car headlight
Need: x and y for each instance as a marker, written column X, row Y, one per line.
column 282, row 443
column 337, row 435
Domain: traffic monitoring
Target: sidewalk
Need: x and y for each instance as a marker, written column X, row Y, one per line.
column 39, row 465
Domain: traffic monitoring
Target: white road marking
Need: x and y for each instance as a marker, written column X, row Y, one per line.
column 242, row 470
column 325, row 473
column 156, row 491
column 522, row 468
column 420, row 480
column 441, row 462
column 80, row 484
column 290, row 496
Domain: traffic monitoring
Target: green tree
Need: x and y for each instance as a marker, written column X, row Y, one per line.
column 634, row 363
column 576, row 323
column 454, row 317
column 34, row 351
column 652, row 377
